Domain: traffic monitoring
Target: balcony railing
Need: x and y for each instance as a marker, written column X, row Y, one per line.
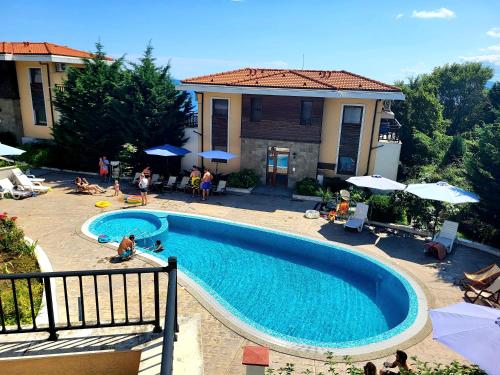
column 97, row 300
column 59, row 87
column 390, row 130
column 192, row 121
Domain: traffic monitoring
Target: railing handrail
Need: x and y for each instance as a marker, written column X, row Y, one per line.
column 126, row 271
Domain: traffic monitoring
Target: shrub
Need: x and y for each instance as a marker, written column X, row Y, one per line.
column 246, row 178
column 16, row 256
column 335, row 183
column 419, row 368
column 308, row 186
column 12, row 237
column 8, row 138
column 383, row 208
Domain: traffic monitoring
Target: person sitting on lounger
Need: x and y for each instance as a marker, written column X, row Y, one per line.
column 400, row 362
column 83, row 186
column 127, row 247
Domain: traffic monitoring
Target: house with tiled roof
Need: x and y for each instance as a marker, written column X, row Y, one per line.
column 289, row 124
column 30, row 72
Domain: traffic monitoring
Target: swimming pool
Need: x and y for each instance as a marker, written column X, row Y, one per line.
column 289, row 290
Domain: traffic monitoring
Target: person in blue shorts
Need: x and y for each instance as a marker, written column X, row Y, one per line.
column 206, row 184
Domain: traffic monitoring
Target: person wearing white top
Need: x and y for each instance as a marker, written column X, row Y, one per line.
column 143, row 187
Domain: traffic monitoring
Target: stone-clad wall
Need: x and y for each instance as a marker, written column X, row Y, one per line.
column 305, row 161
column 10, row 117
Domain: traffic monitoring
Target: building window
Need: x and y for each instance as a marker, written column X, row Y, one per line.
column 306, row 107
column 255, row 109
column 349, row 140
column 37, row 97
column 220, row 108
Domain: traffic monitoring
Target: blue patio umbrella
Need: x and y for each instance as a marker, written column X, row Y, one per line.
column 167, row 150
column 10, row 151
column 217, row 155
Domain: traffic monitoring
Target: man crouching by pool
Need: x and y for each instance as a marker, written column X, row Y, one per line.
column 126, row 248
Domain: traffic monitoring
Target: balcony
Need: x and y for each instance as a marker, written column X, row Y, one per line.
column 192, row 121
column 390, row 130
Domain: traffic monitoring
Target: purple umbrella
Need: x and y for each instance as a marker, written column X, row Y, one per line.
column 472, row 331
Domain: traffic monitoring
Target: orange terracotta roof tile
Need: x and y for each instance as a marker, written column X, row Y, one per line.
column 43, row 48
column 291, row 78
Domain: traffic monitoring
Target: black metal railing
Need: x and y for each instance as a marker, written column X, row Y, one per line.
column 90, row 298
column 59, row 87
column 389, row 130
column 192, row 121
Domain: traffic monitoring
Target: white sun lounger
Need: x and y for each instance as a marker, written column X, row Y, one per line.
column 36, row 187
column 18, row 172
column 183, row 184
column 8, row 187
column 172, row 180
column 358, row 219
column 447, row 235
column 221, row 187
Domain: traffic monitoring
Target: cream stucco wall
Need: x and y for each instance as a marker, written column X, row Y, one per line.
column 330, row 133
column 23, row 80
column 234, row 129
column 90, row 363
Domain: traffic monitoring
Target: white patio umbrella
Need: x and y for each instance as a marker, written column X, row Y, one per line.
column 472, row 331
column 376, row 182
column 10, row 151
column 442, row 191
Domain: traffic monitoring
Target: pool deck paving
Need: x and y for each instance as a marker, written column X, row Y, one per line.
column 206, row 345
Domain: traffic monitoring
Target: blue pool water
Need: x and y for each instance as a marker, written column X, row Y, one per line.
column 292, row 288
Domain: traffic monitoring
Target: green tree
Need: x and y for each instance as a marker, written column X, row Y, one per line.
column 494, row 95
column 85, row 129
column 149, row 108
column 461, row 90
column 421, row 115
column 483, row 171
column 456, row 151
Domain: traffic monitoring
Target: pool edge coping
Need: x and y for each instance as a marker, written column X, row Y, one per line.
column 415, row 333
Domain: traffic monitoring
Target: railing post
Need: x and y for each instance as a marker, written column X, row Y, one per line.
column 50, row 309
column 167, row 356
column 157, row 327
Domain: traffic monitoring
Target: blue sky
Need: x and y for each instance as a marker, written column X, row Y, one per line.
column 385, row 40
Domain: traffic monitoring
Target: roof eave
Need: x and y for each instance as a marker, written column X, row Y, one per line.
column 42, row 58
column 318, row 93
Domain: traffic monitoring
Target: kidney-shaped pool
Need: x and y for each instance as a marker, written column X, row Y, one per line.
column 292, row 289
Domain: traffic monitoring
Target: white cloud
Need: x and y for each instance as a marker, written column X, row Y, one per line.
column 491, row 59
column 495, row 48
column 494, row 32
column 400, row 15
column 438, row 13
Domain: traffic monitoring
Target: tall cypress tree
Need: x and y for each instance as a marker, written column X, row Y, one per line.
column 149, row 108
column 85, row 129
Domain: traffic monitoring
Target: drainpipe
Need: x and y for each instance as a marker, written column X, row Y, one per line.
column 50, row 91
column 371, row 138
column 202, row 123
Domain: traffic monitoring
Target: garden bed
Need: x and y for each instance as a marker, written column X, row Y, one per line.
column 17, row 256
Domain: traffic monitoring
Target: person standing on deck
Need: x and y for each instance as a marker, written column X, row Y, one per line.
column 206, row 184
